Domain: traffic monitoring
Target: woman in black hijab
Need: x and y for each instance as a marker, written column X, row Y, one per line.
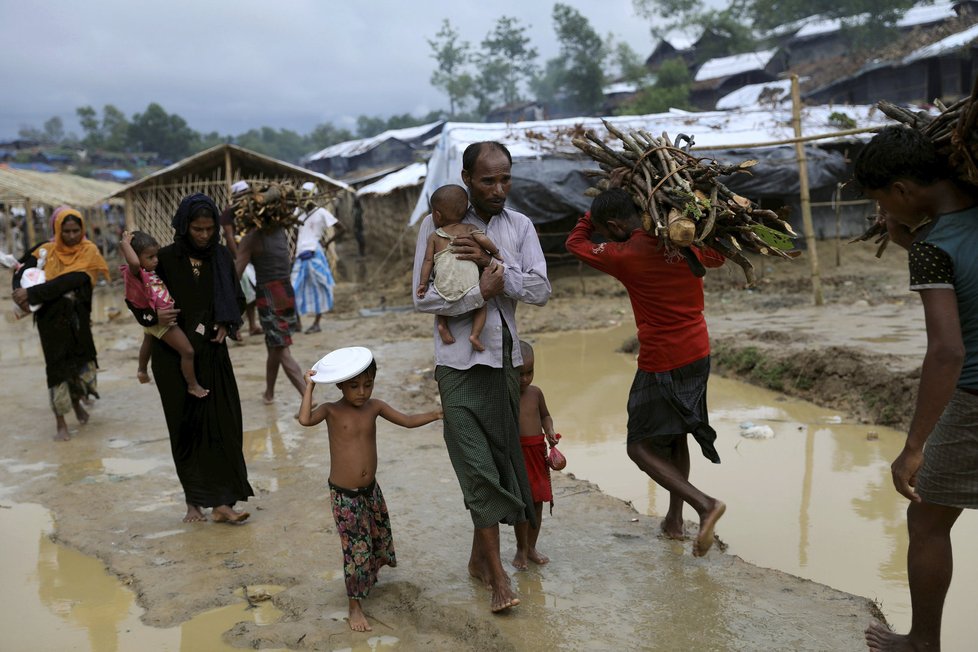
column 205, row 433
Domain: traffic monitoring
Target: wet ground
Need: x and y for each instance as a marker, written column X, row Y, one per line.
column 113, row 498
column 814, row 500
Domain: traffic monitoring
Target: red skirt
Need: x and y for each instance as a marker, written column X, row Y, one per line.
column 537, row 471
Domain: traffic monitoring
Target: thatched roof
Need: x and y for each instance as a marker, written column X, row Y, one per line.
column 53, row 188
column 245, row 162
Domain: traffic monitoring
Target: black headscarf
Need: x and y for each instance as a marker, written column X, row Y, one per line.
column 226, row 309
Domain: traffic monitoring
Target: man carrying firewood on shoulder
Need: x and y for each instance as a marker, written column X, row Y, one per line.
column 667, row 400
column 938, row 467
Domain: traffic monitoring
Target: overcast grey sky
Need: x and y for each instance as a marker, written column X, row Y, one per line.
column 231, row 66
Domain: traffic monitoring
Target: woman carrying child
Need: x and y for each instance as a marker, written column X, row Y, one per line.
column 145, row 290
column 205, row 435
column 72, row 265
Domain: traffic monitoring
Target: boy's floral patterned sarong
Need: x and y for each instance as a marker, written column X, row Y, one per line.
column 365, row 535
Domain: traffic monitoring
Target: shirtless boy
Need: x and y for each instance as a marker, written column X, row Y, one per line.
column 453, row 277
column 359, row 509
column 536, row 425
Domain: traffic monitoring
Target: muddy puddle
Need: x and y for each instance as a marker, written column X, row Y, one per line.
column 815, row 499
column 56, row 598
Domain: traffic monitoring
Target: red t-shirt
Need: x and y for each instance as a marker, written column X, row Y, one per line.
column 666, row 297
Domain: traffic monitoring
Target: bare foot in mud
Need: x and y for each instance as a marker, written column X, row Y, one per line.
column 537, row 557
column 502, row 596
column 704, row 539
column 224, row 514
column 519, row 560
column 80, row 413
column 62, row 433
column 480, row 573
column 198, row 391
column 268, row 400
column 670, row 530
column 142, row 376
column 358, row 620
column 194, row 515
column 879, row 638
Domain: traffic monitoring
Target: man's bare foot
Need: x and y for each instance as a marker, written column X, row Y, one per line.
column 268, row 400
column 537, row 557
column 879, row 638
column 673, row 531
column 224, row 514
column 194, row 515
column 480, row 573
column 142, row 376
column 255, row 330
column 198, row 391
column 704, row 539
column 476, row 344
column 502, row 596
column 445, row 333
column 358, row 620
column 80, row 413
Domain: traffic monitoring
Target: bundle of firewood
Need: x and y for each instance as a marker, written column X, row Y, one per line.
column 266, row 204
column 684, row 204
column 954, row 134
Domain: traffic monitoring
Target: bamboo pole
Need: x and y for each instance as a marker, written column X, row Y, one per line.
column 29, row 224
column 787, row 141
column 227, row 174
column 130, row 213
column 806, row 209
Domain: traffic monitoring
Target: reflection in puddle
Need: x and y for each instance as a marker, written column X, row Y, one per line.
column 56, row 598
column 815, row 501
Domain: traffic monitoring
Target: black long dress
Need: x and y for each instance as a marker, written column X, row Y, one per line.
column 205, row 434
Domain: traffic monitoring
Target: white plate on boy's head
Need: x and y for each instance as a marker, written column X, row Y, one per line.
column 342, row 364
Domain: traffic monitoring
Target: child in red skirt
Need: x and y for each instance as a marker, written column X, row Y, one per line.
column 536, row 430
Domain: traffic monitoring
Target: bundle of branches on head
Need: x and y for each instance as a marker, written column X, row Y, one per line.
column 684, row 204
column 266, row 205
column 955, row 137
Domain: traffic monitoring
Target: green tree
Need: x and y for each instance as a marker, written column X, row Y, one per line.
column 629, row 66
column 283, row 144
column 670, row 90
column 88, row 119
column 154, row 130
column 54, row 130
column 368, row 126
column 452, row 55
column 324, row 135
column 574, row 78
column 505, row 62
column 115, row 129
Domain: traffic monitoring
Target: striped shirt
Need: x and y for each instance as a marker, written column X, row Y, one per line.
column 525, row 279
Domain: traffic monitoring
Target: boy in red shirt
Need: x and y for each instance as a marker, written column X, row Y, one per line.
column 667, row 400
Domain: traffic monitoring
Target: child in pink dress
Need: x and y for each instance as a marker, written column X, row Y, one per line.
column 144, row 289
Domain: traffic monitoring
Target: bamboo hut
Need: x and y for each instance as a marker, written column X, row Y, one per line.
column 29, row 190
column 151, row 202
column 386, row 204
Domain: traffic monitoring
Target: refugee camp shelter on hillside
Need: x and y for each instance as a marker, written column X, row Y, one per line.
column 549, row 172
column 942, row 70
column 720, row 76
column 364, row 159
column 152, row 201
column 25, row 191
column 825, row 38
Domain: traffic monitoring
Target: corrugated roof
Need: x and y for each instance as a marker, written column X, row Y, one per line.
column 361, row 145
column 737, row 63
column 53, row 188
column 406, row 177
column 947, row 44
column 920, row 15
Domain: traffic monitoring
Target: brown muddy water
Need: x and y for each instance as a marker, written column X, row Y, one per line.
column 814, row 500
